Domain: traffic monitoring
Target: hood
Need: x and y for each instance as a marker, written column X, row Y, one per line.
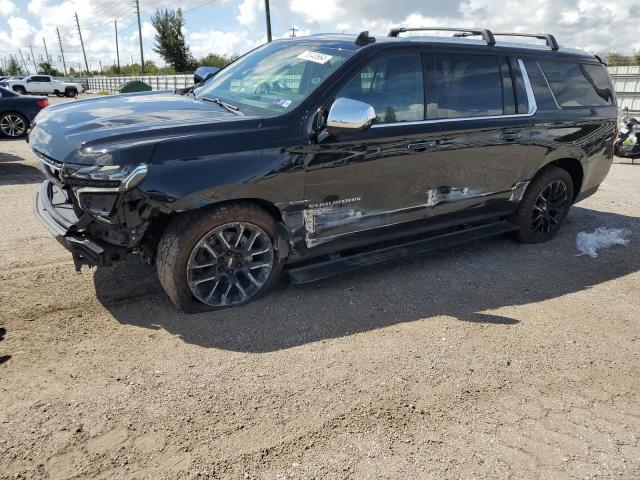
column 122, row 129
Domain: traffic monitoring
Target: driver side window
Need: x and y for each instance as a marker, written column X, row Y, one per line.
column 393, row 85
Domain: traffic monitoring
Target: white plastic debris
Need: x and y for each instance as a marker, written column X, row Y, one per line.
column 590, row 243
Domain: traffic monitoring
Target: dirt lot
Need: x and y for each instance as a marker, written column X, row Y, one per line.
column 489, row 360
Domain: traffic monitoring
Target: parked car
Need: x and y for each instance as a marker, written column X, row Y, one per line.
column 5, row 81
column 45, row 84
column 327, row 153
column 17, row 112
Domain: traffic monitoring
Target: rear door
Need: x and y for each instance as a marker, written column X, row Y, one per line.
column 484, row 112
column 359, row 182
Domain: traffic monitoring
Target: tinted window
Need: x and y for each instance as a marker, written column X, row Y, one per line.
column 393, row 85
column 39, row 79
column 469, row 86
column 578, row 85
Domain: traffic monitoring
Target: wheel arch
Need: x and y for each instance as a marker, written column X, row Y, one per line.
column 163, row 221
column 574, row 168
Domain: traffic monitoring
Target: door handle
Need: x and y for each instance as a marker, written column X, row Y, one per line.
column 421, row 146
column 511, row 135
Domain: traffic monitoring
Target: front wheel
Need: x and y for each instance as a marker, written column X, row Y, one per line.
column 220, row 257
column 544, row 206
column 20, row 90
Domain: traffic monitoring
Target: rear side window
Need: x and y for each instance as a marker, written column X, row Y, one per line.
column 469, row 86
column 578, row 84
column 393, row 85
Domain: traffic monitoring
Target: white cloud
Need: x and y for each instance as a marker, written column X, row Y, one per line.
column 314, row 11
column 248, row 12
column 587, row 24
column 225, row 43
column 7, row 8
column 36, row 6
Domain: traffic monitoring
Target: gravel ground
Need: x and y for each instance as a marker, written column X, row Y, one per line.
column 489, row 360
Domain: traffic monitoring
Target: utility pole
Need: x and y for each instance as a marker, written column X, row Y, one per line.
column 33, row 58
column 82, row 43
column 293, row 31
column 268, row 16
column 46, row 52
column 140, row 35
column 117, row 49
column 24, row 63
column 64, row 64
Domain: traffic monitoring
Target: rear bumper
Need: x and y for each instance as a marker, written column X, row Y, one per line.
column 64, row 226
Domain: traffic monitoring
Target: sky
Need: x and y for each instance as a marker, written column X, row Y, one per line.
column 236, row 26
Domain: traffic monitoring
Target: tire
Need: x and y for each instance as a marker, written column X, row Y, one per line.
column 195, row 268
column 13, row 125
column 70, row 92
column 544, row 206
column 20, row 90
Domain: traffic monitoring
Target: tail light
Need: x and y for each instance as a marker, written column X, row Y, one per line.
column 42, row 103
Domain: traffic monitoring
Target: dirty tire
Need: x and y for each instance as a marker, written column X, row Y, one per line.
column 186, row 230
column 527, row 210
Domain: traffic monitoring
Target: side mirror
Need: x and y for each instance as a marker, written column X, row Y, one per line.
column 203, row 74
column 29, row 80
column 347, row 115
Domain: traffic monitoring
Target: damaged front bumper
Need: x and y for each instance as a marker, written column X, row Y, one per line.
column 59, row 218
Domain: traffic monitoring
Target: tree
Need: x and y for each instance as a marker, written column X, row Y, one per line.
column 13, row 67
column 170, row 43
column 216, row 60
column 46, row 69
column 615, row 59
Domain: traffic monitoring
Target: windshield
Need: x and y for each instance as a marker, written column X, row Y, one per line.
column 273, row 78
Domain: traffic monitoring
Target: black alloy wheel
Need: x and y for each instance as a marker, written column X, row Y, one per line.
column 550, row 207
column 230, row 264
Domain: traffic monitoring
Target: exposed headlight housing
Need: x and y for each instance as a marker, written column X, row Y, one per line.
column 119, row 178
column 97, row 186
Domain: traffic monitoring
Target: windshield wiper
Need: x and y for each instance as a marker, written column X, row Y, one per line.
column 225, row 105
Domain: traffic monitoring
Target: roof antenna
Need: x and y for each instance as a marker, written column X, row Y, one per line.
column 364, row 38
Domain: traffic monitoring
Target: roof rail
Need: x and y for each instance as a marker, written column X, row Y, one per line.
column 485, row 33
column 547, row 37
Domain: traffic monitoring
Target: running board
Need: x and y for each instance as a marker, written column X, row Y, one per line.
column 336, row 266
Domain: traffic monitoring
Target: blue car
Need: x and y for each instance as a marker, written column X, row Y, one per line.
column 17, row 112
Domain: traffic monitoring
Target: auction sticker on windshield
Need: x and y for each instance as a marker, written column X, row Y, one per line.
column 315, row 56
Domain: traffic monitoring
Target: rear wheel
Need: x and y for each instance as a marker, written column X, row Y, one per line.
column 544, row 206
column 70, row 92
column 13, row 125
column 219, row 257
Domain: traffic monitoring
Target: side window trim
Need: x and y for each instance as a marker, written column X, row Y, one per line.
column 533, row 108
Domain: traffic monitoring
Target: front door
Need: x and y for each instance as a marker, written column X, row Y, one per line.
column 357, row 183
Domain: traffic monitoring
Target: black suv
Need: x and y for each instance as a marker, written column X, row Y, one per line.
column 327, row 153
